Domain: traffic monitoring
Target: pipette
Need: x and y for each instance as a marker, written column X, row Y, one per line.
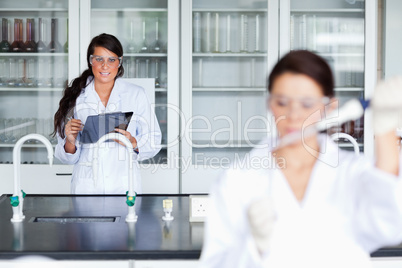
column 351, row 110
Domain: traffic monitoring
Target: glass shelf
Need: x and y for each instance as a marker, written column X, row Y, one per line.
column 50, row 89
column 242, row 89
column 325, row 10
column 231, row 10
column 230, row 54
column 154, row 55
column 33, row 54
column 129, row 9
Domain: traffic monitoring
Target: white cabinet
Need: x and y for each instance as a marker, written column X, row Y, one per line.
column 209, row 60
column 224, row 86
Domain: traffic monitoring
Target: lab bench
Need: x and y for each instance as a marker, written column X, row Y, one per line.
column 73, row 227
column 93, row 228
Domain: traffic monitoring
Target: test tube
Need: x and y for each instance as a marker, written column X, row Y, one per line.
column 200, row 72
column 252, row 72
column 228, row 33
column 197, row 32
column 243, row 33
column 208, row 33
column 216, row 43
column 257, row 33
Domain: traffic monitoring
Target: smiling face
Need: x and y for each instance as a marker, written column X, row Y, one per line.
column 296, row 101
column 104, row 74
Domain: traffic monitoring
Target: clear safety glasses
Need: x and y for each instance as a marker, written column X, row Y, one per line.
column 305, row 103
column 112, row 62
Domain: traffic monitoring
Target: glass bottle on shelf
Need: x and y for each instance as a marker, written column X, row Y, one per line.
column 4, row 45
column 132, row 46
column 54, row 45
column 156, row 46
column 19, row 82
column 144, row 45
column 4, row 70
column 243, row 33
column 30, row 45
column 12, row 66
column 40, row 46
column 65, row 47
column 157, row 82
column 16, row 46
column 30, row 72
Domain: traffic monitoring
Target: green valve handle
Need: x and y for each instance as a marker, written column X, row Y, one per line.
column 130, row 201
column 14, row 201
column 23, row 194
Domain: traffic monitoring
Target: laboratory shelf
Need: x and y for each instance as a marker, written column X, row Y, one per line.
column 229, row 89
column 332, row 10
column 26, row 145
column 231, row 10
column 349, row 89
column 33, row 54
column 43, row 89
column 152, row 55
column 231, row 54
column 225, row 144
column 129, row 9
column 35, row 9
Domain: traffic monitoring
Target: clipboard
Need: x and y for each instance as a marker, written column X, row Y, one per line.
column 97, row 126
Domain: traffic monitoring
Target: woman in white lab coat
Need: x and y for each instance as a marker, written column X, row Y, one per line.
column 98, row 90
column 315, row 205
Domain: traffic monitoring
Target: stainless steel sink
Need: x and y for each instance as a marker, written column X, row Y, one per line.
column 74, row 219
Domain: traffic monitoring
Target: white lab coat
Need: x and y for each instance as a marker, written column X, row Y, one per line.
column 113, row 157
column 350, row 209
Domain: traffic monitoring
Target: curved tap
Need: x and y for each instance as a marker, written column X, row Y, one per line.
column 17, row 200
column 131, row 194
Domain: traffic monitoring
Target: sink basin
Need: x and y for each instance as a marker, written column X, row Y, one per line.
column 74, row 219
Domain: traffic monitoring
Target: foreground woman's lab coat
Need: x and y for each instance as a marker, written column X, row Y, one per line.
column 349, row 209
column 113, row 166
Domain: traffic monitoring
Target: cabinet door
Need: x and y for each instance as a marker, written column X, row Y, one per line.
column 343, row 33
column 149, row 33
column 225, row 62
column 38, row 56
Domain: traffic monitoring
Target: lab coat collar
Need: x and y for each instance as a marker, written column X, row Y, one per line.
column 91, row 97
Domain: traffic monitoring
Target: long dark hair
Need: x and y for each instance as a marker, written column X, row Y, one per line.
column 307, row 63
column 71, row 92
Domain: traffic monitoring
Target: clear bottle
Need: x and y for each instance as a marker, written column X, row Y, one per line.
column 65, row 47
column 30, row 68
column 30, row 45
column 54, row 45
column 156, row 46
column 4, row 45
column 16, row 45
column 157, row 73
column 132, row 46
column 144, row 48
column 40, row 46
column 243, row 33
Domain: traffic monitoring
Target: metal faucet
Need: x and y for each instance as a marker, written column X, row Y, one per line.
column 131, row 194
column 17, row 200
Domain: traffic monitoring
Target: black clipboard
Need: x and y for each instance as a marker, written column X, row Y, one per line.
column 97, row 126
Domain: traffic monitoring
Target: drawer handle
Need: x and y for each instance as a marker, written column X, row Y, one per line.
column 64, row 174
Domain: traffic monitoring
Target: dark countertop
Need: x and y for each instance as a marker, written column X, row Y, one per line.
column 149, row 238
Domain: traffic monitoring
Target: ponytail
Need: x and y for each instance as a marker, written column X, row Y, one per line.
column 67, row 102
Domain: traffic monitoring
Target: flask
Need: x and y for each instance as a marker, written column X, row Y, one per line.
column 40, row 46
column 156, row 46
column 243, row 33
column 16, row 45
column 144, row 45
column 131, row 47
column 54, row 45
column 4, row 45
column 65, row 47
column 30, row 45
